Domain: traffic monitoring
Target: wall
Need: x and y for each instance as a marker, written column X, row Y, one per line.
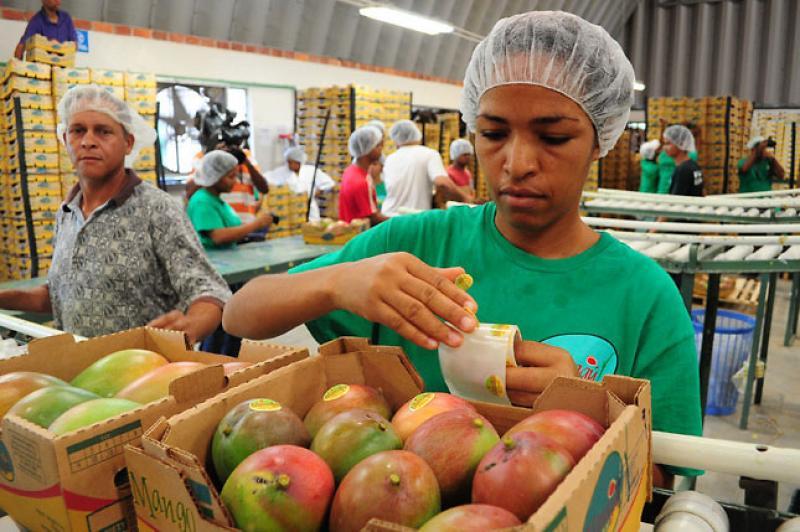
column 744, row 48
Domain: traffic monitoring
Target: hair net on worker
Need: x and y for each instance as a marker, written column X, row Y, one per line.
column 363, row 140
column 95, row 98
column 681, row 137
column 755, row 141
column 561, row 52
column 459, row 147
column 648, row 149
column 215, row 165
column 295, row 153
column 378, row 124
column 405, row 132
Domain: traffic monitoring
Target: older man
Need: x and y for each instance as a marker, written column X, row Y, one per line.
column 51, row 22
column 125, row 254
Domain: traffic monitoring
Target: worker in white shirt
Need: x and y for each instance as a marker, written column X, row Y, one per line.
column 297, row 175
column 413, row 172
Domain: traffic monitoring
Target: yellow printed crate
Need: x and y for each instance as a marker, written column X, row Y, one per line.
column 140, row 79
column 108, row 77
column 140, row 93
column 143, row 107
column 146, row 160
column 29, row 101
column 50, row 58
column 151, row 176
column 17, row 83
column 71, row 76
column 40, row 42
column 280, row 210
column 116, row 90
column 35, row 161
column 22, row 267
column 37, row 188
column 37, row 117
column 38, row 142
column 21, row 247
column 28, row 69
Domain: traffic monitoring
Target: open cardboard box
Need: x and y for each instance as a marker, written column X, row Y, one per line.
column 78, row 481
column 172, row 487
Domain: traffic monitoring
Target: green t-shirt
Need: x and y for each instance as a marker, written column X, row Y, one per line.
column 649, row 181
column 666, row 167
column 757, row 178
column 208, row 212
column 615, row 310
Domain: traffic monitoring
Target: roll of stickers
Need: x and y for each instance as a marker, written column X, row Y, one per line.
column 477, row 369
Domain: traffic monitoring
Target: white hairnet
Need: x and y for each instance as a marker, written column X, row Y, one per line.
column 295, row 153
column 648, row 149
column 378, row 124
column 94, row 98
column 215, row 165
column 405, row 132
column 755, row 141
column 459, row 147
column 681, row 137
column 559, row 51
column 363, row 140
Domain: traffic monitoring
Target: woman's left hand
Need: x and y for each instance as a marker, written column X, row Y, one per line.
column 539, row 365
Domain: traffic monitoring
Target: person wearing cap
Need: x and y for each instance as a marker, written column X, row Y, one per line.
column 687, row 179
column 759, row 167
column 298, row 176
column 357, row 198
column 461, row 152
column 649, row 173
column 125, row 254
column 413, row 172
column 51, row 22
column 576, row 294
column 215, row 220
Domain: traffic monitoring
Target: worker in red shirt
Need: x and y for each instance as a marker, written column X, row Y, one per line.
column 357, row 198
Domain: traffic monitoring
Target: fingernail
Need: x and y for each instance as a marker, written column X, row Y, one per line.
column 431, row 343
column 454, row 339
column 471, row 307
column 467, row 324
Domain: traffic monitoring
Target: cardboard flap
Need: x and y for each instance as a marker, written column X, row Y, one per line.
column 626, row 388
column 263, row 368
column 388, row 367
column 259, row 351
column 345, row 344
column 152, row 437
column 503, row 417
column 198, row 384
column 585, row 396
column 50, row 344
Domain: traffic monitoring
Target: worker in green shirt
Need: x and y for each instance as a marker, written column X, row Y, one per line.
column 215, row 221
column 586, row 304
column 666, row 167
column 649, row 179
column 760, row 167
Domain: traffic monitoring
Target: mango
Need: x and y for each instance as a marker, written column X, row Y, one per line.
column 107, row 376
column 43, row 406
column 90, row 412
column 155, row 385
column 14, row 386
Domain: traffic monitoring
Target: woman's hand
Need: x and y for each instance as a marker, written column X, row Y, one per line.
column 403, row 293
column 539, row 365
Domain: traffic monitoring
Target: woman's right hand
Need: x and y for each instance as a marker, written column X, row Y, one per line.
column 263, row 219
column 403, row 293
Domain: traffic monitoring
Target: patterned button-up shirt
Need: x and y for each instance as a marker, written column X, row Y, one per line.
column 133, row 259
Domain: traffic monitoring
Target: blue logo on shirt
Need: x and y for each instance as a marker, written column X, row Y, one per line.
column 594, row 356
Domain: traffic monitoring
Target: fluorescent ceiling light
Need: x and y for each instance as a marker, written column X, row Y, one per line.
column 638, row 86
column 407, row 20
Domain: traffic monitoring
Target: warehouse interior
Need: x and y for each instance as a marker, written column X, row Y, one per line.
column 506, row 196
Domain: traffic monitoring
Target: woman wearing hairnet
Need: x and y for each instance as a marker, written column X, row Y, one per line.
column 461, row 153
column 546, row 94
column 214, row 220
column 687, row 179
column 357, row 197
column 649, row 169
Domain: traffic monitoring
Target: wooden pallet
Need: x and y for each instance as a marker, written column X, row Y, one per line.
column 734, row 290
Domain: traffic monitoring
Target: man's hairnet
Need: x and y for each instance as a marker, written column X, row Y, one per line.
column 295, row 153
column 648, row 149
column 681, row 137
column 755, row 141
column 405, row 132
column 459, row 147
column 95, row 98
column 561, row 52
column 363, row 140
column 215, row 165
column 378, row 124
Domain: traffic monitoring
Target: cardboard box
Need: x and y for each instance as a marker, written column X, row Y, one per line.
column 27, row 69
column 78, row 481
column 140, row 80
column 108, row 77
column 43, row 43
column 172, row 488
column 47, row 57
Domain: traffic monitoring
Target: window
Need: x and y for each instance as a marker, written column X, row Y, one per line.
column 178, row 105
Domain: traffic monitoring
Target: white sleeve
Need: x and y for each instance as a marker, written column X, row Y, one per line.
column 324, row 181
column 435, row 166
